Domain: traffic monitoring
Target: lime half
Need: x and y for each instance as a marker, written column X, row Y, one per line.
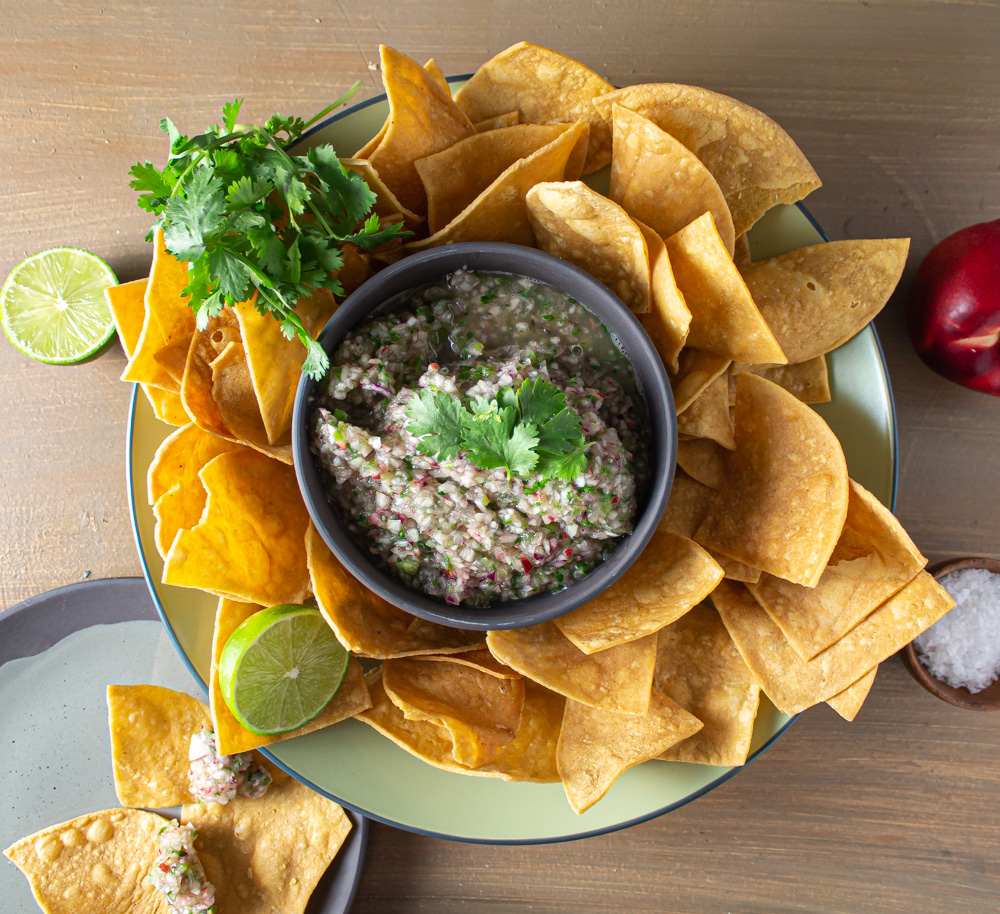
column 53, row 309
column 281, row 668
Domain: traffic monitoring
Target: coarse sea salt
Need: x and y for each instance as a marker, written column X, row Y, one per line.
column 963, row 648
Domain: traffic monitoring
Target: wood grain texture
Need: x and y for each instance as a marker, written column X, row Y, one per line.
column 896, row 103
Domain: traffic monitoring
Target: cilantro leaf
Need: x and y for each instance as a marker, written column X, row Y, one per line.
column 539, row 400
column 561, row 433
column 154, row 186
column 566, row 466
column 195, row 215
column 496, row 441
column 230, row 114
column 440, row 419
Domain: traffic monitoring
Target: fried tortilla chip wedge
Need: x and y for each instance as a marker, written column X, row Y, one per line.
column 579, row 225
column 437, row 74
column 660, row 181
column 694, row 372
column 794, row 684
column 151, row 728
column 266, row 855
column 806, row 381
column 167, row 405
column 783, row 500
column 454, row 177
column 196, row 388
column 672, row 575
column 95, row 864
column 544, row 87
column 500, row 213
column 507, row 119
column 755, row 162
column 708, row 415
column 482, row 712
column 180, row 457
column 704, row 461
column 698, row 666
column 250, row 542
column 669, row 319
column 736, row 571
column 849, row 702
column 873, row 559
column 687, row 505
column 724, row 319
column 617, row 679
column 815, row 299
column 386, row 204
column 365, row 623
column 166, row 317
column 596, row 747
column 422, row 120
column 352, row 697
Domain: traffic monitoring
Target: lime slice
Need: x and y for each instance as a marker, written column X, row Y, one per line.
column 52, row 306
column 280, row 668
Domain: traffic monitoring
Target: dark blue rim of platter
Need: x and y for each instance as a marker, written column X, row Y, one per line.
column 422, row 831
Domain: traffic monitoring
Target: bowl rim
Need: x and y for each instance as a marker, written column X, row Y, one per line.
column 633, row 340
column 959, row 696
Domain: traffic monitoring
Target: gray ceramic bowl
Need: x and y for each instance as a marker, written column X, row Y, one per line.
column 430, row 266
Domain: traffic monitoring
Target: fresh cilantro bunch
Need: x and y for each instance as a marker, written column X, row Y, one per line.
column 249, row 217
column 527, row 431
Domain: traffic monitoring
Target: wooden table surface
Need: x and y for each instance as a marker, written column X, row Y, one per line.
column 897, row 104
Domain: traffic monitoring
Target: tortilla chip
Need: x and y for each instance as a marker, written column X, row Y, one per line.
column 437, row 74
column 816, row 298
column 668, row 319
column 695, row 371
column 708, row 415
column 94, row 864
column 456, row 176
column 848, row 703
column 698, row 666
column 670, row 576
column 873, row 559
column 151, row 729
column 422, row 120
column 544, row 87
column 500, row 213
column 579, row 225
column 365, row 623
column 180, row 457
column 351, row 698
column 704, row 461
column 724, row 318
column 166, row 317
column 736, row 571
column 596, row 747
column 507, row 119
column 173, row 357
column 660, row 181
column 167, row 405
column 249, row 543
column 755, row 162
column 481, row 711
column 784, row 498
column 741, row 251
column 617, row 679
column 687, row 505
column 806, row 381
column 478, row 659
column 266, row 855
column 794, row 684
column 196, row 388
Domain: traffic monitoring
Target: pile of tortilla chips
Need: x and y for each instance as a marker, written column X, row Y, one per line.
column 771, row 570
column 264, row 855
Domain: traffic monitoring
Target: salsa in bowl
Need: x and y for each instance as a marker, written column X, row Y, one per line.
column 494, row 442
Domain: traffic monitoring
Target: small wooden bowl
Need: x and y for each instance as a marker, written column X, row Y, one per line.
column 986, row 700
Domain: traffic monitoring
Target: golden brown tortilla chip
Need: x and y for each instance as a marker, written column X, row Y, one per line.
column 544, row 87
column 848, row 703
column 479, row 659
column 670, row 576
column 173, row 357
column 151, row 728
column 660, row 181
column 815, row 299
column 741, row 251
column 180, row 457
column 166, row 317
column 704, row 461
column 94, row 864
column 480, row 711
column 437, row 74
column 250, row 542
column 806, row 381
column 507, row 119
column 618, row 679
column 755, row 162
column 456, row 176
column 196, row 388
column 422, row 120
column 266, row 855
column 794, row 684
column 233, row 393
column 365, row 623
column 579, row 225
column 724, row 319
column 695, row 371
column 708, row 415
column 687, row 505
column 386, row 205
column 784, row 498
column 873, row 559
column 698, row 666
column 596, row 747
column 167, row 405
column 351, row 698
column 736, row 571
column 500, row 213
column 669, row 319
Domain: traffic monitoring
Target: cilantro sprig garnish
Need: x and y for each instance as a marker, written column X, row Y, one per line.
column 250, row 217
column 530, row 430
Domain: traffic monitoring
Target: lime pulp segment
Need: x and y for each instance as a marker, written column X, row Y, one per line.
column 52, row 306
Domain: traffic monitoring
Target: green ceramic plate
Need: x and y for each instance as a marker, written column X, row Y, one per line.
column 357, row 767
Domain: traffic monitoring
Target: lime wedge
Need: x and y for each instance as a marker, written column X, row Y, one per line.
column 52, row 306
column 281, row 668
